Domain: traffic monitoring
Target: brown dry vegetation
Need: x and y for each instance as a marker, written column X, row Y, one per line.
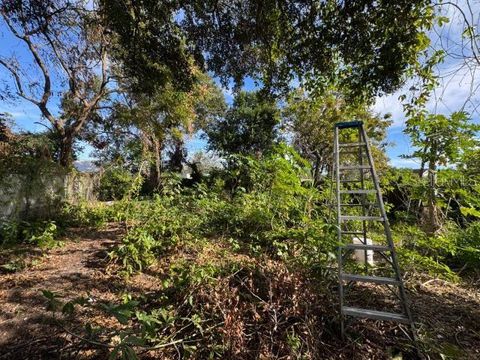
column 256, row 308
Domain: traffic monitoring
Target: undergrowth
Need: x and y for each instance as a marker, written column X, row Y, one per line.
column 246, row 263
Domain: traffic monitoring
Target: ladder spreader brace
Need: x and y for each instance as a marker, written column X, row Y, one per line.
column 361, row 147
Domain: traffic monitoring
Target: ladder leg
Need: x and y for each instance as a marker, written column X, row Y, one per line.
column 363, row 196
column 339, row 232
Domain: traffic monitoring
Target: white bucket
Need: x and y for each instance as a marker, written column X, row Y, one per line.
column 359, row 255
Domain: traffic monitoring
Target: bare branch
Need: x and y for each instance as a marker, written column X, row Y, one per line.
column 92, row 105
column 473, row 45
column 71, row 76
column 38, row 60
column 18, row 82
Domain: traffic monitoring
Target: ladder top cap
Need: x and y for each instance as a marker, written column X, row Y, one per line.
column 348, row 124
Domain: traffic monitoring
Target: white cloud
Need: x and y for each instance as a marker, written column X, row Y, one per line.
column 390, row 104
column 405, row 163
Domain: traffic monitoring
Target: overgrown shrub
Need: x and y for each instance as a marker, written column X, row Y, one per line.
column 440, row 255
column 40, row 233
column 114, row 184
column 272, row 208
column 467, row 254
column 84, row 214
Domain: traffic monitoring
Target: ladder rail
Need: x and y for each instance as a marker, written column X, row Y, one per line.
column 388, row 232
column 363, row 195
column 339, row 229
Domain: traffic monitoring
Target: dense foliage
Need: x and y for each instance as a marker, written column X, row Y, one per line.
column 249, row 126
column 365, row 44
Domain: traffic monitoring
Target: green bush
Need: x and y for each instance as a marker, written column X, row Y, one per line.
column 84, row 214
column 468, row 247
column 442, row 254
column 419, row 252
column 137, row 250
column 40, row 233
column 115, row 183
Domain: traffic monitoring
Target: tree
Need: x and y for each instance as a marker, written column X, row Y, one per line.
column 440, row 141
column 140, row 127
column 311, row 121
column 69, row 53
column 249, row 126
column 364, row 44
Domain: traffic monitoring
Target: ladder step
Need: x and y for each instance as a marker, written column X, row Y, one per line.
column 367, row 247
column 351, row 152
column 359, row 191
column 352, row 144
column 366, row 204
column 373, row 314
column 370, row 279
column 351, row 232
column 355, row 167
column 361, row 218
column 349, row 124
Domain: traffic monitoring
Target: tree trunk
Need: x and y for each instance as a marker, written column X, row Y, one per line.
column 66, row 150
column 158, row 164
column 177, row 156
column 431, row 213
column 316, row 170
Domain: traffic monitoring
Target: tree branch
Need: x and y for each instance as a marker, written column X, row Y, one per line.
column 42, row 103
column 91, row 105
column 18, row 82
column 473, row 44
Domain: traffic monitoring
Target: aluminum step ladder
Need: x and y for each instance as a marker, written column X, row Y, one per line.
column 356, row 181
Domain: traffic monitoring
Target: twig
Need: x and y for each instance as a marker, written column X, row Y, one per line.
column 433, row 280
column 144, row 348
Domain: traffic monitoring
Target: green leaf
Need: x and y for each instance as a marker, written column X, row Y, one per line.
column 129, row 354
column 469, row 32
column 441, row 20
column 134, row 340
column 114, row 353
column 68, row 308
column 48, row 294
column 470, row 211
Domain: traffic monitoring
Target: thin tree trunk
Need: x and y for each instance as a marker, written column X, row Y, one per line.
column 158, row 164
column 316, row 170
column 432, row 219
column 66, row 150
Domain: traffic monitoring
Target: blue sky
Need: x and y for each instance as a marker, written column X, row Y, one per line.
column 459, row 81
column 458, row 88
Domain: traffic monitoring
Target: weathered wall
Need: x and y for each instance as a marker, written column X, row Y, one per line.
column 41, row 194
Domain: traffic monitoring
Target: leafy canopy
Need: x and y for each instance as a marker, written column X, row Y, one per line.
column 440, row 139
column 249, row 126
column 364, row 44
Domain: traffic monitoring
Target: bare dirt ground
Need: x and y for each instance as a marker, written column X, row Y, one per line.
column 448, row 314
column 26, row 328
